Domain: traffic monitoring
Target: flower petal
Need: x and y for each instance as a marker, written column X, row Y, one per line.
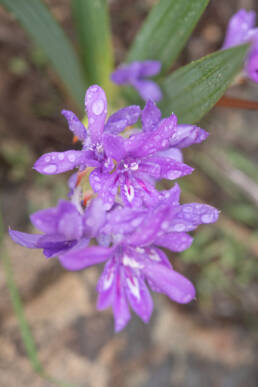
column 79, row 259
column 172, row 153
column 239, row 27
column 106, row 285
column 173, row 284
column 94, row 217
column 171, row 196
column 147, row 143
column 186, row 135
column 46, row 220
column 124, row 117
column 75, row 125
column 114, row 146
column 58, row 162
column 106, row 185
column 148, row 90
column 174, row 241
column 151, row 115
column 138, row 296
column 120, row 307
column 191, row 215
column 251, row 66
column 70, row 221
column 25, row 239
column 146, row 234
column 96, row 107
column 148, row 68
column 165, row 168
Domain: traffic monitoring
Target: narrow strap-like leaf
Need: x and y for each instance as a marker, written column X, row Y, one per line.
column 45, row 31
column 92, row 23
column 166, row 30
column 194, row 89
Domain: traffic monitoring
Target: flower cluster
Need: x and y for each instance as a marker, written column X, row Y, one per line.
column 124, row 220
column 241, row 29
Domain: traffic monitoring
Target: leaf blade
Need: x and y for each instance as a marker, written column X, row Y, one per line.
column 93, row 29
column 39, row 23
column 194, row 89
column 166, row 30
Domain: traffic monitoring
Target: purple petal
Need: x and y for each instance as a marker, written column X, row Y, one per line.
column 79, row 259
column 145, row 189
column 45, row 220
column 172, row 153
column 58, row 162
column 148, row 68
column 139, row 296
column 124, row 74
column 190, row 216
column 174, row 241
column 106, row 285
column 75, row 125
column 118, row 121
column 94, row 217
column 173, row 284
column 146, row 143
column 120, row 307
column 251, row 66
column 70, row 221
column 165, row 168
column 106, row 185
column 25, row 239
column 186, row 135
column 239, row 27
column 123, row 220
column 56, row 242
column 148, row 90
column 96, row 107
column 129, row 191
column 114, row 146
column 171, row 196
column 150, row 227
column 151, row 115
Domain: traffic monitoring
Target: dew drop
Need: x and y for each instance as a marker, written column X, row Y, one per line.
column 50, row 168
column 98, row 107
column 61, row 156
column 71, row 158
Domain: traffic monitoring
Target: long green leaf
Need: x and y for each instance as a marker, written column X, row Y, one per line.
column 194, row 89
column 44, row 30
column 166, row 30
column 92, row 22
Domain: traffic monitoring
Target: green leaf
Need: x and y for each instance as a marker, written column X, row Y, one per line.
column 92, row 23
column 44, row 30
column 194, row 89
column 166, row 30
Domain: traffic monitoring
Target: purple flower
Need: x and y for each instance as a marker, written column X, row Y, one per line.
column 134, row 74
column 92, row 154
column 145, row 157
column 64, row 228
column 135, row 258
column 251, row 65
column 241, row 29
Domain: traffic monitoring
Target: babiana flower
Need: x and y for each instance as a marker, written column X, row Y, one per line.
column 125, row 222
column 241, row 29
column 130, row 242
column 135, row 74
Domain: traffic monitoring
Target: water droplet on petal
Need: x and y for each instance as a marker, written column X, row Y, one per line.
column 98, row 107
column 71, row 158
column 50, row 168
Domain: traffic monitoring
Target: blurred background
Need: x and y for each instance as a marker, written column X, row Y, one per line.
column 211, row 342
